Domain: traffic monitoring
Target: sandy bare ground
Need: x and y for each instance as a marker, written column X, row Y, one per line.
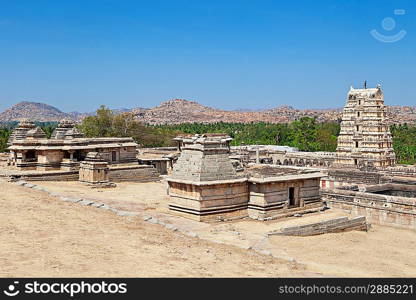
column 42, row 236
column 381, row 252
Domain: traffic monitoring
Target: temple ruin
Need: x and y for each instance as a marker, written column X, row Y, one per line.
column 94, row 169
column 208, row 180
column 205, row 186
column 30, row 149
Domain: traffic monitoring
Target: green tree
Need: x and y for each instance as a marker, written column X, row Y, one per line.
column 4, row 136
column 107, row 124
column 99, row 125
column 304, row 134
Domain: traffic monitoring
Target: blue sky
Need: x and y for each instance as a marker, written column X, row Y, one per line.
column 77, row 55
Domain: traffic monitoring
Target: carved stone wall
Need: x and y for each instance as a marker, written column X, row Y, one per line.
column 378, row 209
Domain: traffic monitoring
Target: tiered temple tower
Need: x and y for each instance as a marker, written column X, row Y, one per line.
column 20, row 132
column 365, row 138
column 204, row 185
column 66, row 130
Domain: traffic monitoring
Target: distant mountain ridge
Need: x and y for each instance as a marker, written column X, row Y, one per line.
column 178, row 111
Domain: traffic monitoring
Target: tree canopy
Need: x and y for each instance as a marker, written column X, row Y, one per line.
column 107, row 124
column 305, row 134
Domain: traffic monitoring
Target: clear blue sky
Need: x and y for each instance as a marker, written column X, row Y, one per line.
column 79, row 54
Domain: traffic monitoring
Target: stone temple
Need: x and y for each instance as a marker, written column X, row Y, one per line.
column 365, row 138
column 204, row 186
column 30, row 149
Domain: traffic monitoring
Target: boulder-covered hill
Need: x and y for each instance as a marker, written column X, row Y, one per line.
column 178, row 111
column 33, row 111
column 183, row 111
column 38, row 112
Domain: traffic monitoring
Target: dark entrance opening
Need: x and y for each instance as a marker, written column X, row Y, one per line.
column 113, row 156
column 79, row 155
column 31, row 155
column 292, row 196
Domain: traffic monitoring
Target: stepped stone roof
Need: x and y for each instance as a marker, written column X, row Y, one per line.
column 66, row 130
column 36, row 133
column 94, row 156
column 26, row 123
column 204, row 158
column 20, row 132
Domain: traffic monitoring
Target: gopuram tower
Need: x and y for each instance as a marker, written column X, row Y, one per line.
column 365, row 138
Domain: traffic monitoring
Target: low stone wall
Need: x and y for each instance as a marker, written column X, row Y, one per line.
column 330, row 226
column 399, row 170
column 353, row 176
column 47, row 176
column 379, row 209
column 339, row 177
column 136, row 173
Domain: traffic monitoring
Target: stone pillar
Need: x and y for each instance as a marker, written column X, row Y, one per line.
column 23, row 158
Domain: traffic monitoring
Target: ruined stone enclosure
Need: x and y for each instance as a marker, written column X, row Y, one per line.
column 31, row 150
column 386, row 204
column 204, row 185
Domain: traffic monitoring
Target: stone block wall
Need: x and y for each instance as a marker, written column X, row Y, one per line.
column 271, row 199
column 134, row 173
column 309, row 191
column 49, row 160
column 122, row 155
column 48, row 176
column 209, row 202
column 379, row 209
column 329, row 226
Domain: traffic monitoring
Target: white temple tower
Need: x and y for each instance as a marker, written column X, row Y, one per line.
column 365, row 138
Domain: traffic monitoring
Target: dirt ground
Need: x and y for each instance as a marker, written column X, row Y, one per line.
column 43, row 236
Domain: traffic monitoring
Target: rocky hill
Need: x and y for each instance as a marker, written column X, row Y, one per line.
column 183, row 111
column 33, row 111
column 39, row 112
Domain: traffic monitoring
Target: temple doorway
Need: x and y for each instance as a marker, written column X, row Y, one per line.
column 292, row 200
